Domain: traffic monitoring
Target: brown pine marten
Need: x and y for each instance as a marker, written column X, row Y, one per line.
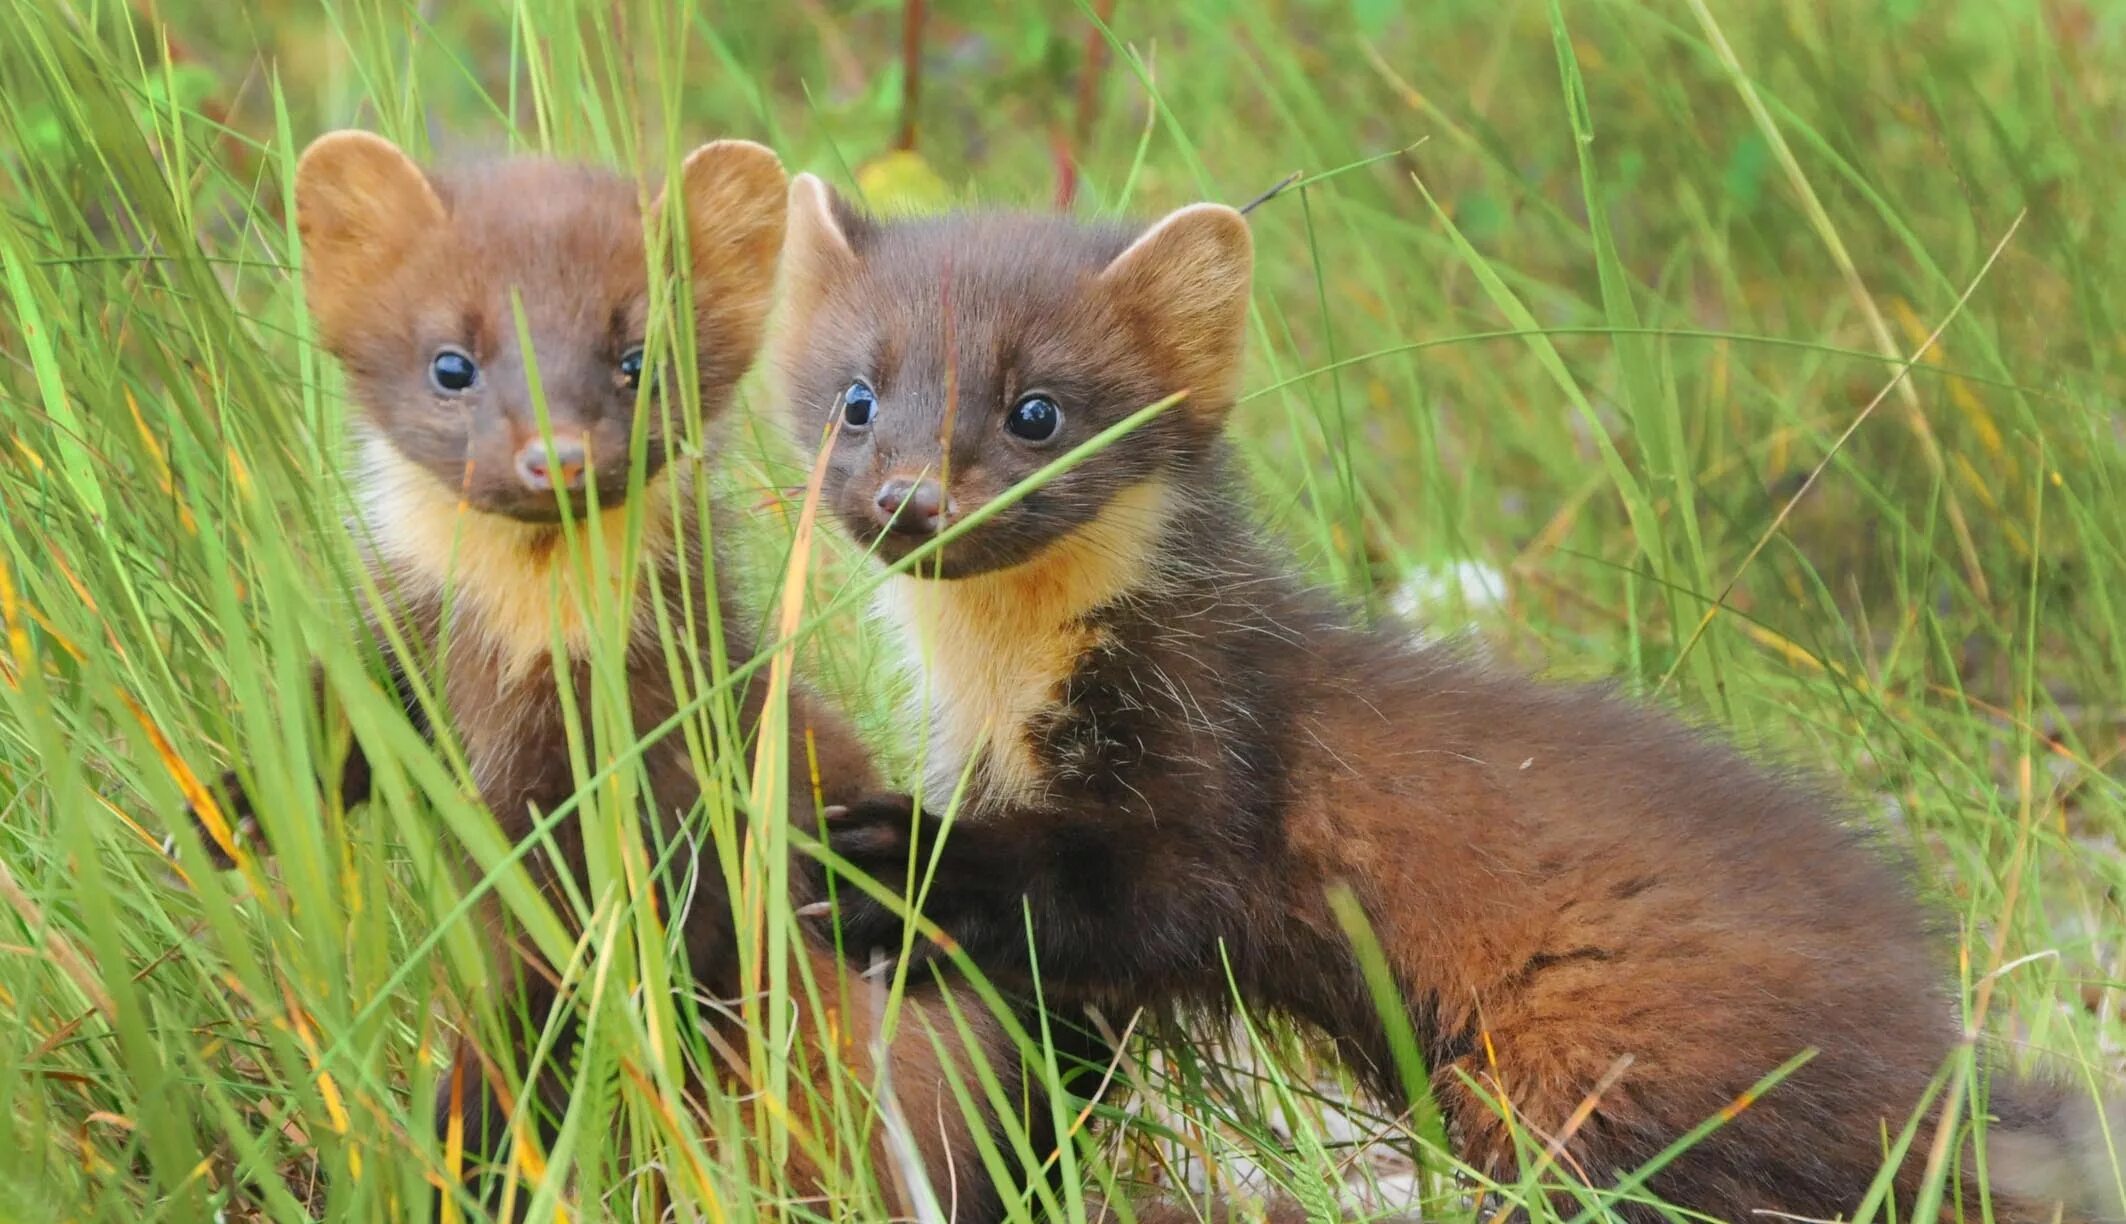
column 1175, row 750
column 415, row 280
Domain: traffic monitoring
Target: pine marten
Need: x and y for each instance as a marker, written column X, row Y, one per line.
column 414, row 280
column 1175, row 749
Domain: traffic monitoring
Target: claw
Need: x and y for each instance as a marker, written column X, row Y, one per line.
column 816, row 909
column 833, row 812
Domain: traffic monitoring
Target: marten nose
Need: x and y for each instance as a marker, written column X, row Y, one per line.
column 912, row 506
column 542, row 469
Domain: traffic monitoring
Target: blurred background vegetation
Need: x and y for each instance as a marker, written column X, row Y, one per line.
column 1763, row 357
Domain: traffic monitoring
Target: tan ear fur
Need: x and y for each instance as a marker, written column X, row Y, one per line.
column 732, row 192
column 361, row 206
column 819, row 254
column 1184, row 284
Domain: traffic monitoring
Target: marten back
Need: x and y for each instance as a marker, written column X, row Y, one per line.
column 1606, row 925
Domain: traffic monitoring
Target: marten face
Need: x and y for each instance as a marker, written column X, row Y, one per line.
column 450, row 297
column 961, row 355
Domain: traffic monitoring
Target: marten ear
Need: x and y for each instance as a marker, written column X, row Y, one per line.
column 1183, row 286
column 820, row 254
column 361, row 206
column 732, row 193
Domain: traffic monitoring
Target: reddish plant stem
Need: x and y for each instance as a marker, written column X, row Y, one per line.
column 913, row 14
column 1065, row 145
column 1095, row 64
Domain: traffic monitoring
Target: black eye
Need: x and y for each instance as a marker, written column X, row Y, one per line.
column 452, row 371
column 859, row 405
column 631, row 368
column 1034, row 419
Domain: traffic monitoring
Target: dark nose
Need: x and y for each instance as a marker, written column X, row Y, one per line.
column 541, row 469
column 911, row 506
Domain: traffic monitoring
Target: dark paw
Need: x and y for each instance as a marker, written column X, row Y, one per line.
column 860, row 923
column 236, row 812
column 463, row 1098
column 873, row 835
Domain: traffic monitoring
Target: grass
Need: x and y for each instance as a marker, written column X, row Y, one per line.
column 1768, row 356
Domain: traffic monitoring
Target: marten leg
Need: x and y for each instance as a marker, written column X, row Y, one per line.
column 1505, row 1118
column 944, row 1034
column 822, row 740
column 928, row 1050
column 838, row 1035
column 240, row 810
column 1100, row 887
column 468, row 1099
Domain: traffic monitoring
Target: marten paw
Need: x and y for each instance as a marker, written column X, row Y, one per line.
column 876, row 836
column 859, row 922
column 235, row 804
column 873, row 935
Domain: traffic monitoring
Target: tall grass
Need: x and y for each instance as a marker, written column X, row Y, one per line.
column 1768, row 356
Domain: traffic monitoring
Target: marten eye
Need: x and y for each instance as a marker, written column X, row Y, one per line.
column 452, row 370
column 631, row 368
column 1034, row 419
column 859, row 405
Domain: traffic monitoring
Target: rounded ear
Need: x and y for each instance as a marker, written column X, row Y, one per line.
column 819, row 254
column 1183, row 284
column 732, row 196
column 361, row 206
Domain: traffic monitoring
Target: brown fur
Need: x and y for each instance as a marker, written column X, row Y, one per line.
column 1179, row 750
column 479, row 577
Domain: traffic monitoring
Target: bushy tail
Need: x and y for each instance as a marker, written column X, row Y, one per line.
column 2055, row 1145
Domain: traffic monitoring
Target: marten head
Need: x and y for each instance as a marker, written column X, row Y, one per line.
column 962, row 354
column 415, row 280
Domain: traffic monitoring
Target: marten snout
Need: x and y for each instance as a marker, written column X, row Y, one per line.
column 503, row 460
column 913, row 506
column 542, row 469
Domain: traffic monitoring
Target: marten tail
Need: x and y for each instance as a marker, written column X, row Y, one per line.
column 2055, row 1145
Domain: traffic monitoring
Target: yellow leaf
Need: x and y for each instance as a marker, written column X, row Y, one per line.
column 902, row 182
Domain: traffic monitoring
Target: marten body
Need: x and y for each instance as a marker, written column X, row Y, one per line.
column 1176, row 749
column 415, row 280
